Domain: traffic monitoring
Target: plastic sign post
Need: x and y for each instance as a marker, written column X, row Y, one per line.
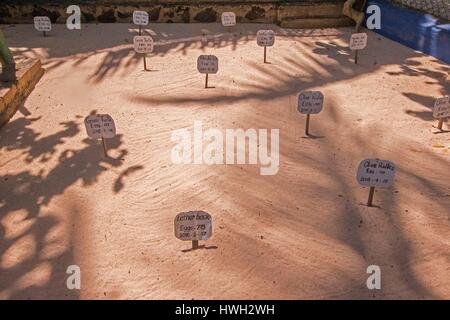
column 358, row 41
column 100, row 126
column 43, row 24
column 375, row 173
column 207, row 64
column 143, row 45
column 310, row 102
column 265, row 38
column 441, row 110
column 193, row 226
column 140, row 18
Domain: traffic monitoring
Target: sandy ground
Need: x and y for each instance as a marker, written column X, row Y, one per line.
column 303, row 233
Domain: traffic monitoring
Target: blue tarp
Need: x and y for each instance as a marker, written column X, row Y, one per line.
column 414, row 29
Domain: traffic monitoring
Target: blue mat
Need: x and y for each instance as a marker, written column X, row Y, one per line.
column 414, row 29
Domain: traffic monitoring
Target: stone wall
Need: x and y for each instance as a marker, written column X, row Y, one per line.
column 439, row 8
column 178, row 11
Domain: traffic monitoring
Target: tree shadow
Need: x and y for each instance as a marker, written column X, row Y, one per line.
column 34, row 255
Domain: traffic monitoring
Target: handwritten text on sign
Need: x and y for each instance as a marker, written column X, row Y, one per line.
column 42, row 24
column 143, row 44
column 310, row 102
column 442, row 108
column 207, row 64
column 193, row 225
column 265, row 38
column 140, row 18
column 358, row 41
column 376, row 173
column 228, row 19
column 100, row 126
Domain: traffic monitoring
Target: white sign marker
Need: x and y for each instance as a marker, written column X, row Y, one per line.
column 228, row 19
column 43, row 24
column 100, row 126
column 310, row 102
column 140, row 18
column 441, row 110
column 375, row 173
column 207, row 64
column 193, row 226
column 358, row 41
column 265, row 38
column 143, row 44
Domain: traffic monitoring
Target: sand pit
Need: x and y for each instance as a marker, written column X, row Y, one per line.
column 304, row 233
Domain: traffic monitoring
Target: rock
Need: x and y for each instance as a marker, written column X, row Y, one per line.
column 107, row 17
column 255, row 13
column 206, row 15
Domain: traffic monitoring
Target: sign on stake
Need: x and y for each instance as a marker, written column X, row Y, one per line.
column 358, row 41
column 43, row 24
column 193, row 226
column 310, row 102
column 140, row 18
column 265, row 38
column 441, row 110
column 228, row 19
column 143, row 45
column 100, row 126
column 375, row 173
column 207, row 64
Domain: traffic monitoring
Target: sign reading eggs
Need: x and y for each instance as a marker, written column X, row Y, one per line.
column 207, row 64
column 100, row 126
column 265, row 38
column 228, row 19
column 193, row 225
column 140, row 18
column 42, row 24
column 143, row 44
column 376, row 173
column 310, row 102
column 358, row 41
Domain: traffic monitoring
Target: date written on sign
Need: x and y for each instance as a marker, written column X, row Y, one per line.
column 42, row 24
column 100, row 126
column 265, row 38
column 376, row 173
column 310, row 102
column 228, row 19
column 208, row 64
column 193, row 225
column 140, row 18
column 442, row 108
column 143, row 44
column 358, row 41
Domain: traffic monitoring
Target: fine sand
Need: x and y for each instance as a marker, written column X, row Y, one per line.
column 303, row 233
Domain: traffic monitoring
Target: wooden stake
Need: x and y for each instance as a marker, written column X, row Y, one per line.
column 307, row 124
column 194, row 244
column 145, row 62
column 206, row 81
column 440, row 124
column 140, row 30
column 356, row 56
column 371, row 193
column 265, row 54
column 104, row 147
